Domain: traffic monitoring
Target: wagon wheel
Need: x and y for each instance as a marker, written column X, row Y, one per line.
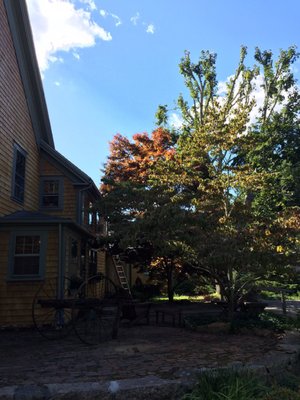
column 95, row 312
column 52, row 308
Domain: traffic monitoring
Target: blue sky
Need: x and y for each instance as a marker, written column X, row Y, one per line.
column 107, row 64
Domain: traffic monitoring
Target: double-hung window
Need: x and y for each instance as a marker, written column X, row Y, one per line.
column 18, row 177
column 27, row 255
column 51, row 193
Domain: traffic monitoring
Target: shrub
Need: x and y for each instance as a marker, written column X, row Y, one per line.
column 265, row 320
column 145, row 292
column 192, row 287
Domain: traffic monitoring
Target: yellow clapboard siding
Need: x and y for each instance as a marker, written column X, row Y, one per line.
column 15, row 123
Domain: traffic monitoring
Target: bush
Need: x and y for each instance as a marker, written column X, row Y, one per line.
column 193, row 287
column 265, row 320
column 145, row 292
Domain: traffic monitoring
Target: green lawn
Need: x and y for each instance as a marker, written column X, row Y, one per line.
column 186, row 297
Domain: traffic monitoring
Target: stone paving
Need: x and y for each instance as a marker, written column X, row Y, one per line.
column 139, row 351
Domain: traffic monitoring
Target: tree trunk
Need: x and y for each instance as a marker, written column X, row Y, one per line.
column 170, row 283
column 231, row 296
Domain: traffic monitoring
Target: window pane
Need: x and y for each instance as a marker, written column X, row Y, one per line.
column 20, row 164
column 36, row 243
column 19, row 249
column 19, row 180
column 50, row 201
column 28, row 245
column 26, row 265
column 74, row 249
column 51, row 187
column 19, row 175
column 19, row 192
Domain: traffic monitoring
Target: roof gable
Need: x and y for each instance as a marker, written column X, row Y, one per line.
column 76, row 175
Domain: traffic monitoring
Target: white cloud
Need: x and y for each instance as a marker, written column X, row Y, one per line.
column 150, row 29
column 59, row 26
column 258, row 94
column 76, row 55
column 135, row 18
column 175, row 121
column 91, row 4
column 103, row 13
column 117, row 19
column 56, row 83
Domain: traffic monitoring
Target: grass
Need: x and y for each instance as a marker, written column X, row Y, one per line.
column 237, row 385
column 227, row 385
column 186, row 297
column 267, row 295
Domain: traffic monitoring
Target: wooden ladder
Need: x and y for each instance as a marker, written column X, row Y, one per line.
column 121, row 275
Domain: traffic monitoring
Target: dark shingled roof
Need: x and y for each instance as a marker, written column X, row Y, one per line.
column 36, row 218
column 32, row 217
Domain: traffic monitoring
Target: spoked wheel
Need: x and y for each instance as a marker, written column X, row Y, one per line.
column 52, row 308
column 95, row 312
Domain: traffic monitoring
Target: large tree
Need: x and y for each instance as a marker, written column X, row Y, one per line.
column 223, row 198
column 225, row 179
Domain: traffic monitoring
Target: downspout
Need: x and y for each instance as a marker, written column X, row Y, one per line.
column 61, row 271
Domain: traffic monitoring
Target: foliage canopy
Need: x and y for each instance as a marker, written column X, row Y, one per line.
column 221, row 195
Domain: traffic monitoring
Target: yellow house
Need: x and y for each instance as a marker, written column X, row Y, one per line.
column 47, row 228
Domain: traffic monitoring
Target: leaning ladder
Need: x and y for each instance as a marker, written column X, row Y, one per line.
column 121, row 275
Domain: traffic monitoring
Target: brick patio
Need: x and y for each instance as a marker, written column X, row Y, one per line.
column 139, row 351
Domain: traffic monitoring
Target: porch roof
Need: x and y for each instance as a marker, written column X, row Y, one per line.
column 36, row 218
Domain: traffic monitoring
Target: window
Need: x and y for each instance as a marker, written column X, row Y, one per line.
column 74, row 250
column 27, row 255
column 18, row 183
column 51, row 192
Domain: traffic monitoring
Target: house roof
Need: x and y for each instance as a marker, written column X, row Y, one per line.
column 75, row 174
column 24, row 47
column 32, row 216
column 36, row 218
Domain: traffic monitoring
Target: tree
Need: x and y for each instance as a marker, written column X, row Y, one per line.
column 220, row 181
column 137, row 211
column 132, row 160
column 207, row 200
